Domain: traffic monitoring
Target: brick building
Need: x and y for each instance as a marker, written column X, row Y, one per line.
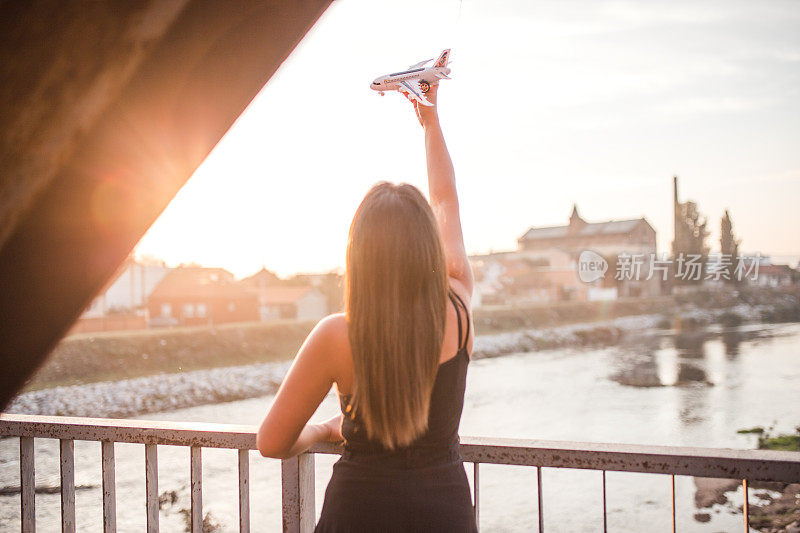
column 544, row 267
column 606, row 238
column 190, row 296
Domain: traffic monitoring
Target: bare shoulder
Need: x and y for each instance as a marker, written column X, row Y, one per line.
column 326, row 348
column 330, row 336
column 331, row 330
column 336, row 345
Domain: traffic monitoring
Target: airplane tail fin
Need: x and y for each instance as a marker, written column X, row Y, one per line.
column 442, row 61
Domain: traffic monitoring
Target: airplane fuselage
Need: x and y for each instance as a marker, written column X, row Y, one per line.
column 390, row 82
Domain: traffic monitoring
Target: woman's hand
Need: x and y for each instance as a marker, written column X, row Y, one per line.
column 333, row 427
column 426, row 114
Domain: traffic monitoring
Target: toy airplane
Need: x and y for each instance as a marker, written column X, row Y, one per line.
column 417, row 80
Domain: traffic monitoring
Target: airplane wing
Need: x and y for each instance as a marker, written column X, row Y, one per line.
column 413, row 90
column 417, row 65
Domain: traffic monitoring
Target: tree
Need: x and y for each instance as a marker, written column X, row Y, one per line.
column 690, row 237
column 728, row 245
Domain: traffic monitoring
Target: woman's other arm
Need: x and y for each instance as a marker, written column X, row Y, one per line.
column 443, row 193
column 285, row 431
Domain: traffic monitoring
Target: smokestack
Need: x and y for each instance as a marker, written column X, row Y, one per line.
column 675, row 215
column 675, row 190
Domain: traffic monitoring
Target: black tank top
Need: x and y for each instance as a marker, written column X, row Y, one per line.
column 440, row 442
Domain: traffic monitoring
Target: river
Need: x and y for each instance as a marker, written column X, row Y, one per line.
column 656, row 387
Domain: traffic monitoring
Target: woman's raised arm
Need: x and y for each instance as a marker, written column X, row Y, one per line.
column 443, row 193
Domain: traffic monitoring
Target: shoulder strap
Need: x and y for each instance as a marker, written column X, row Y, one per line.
column 450, row 293
column 461, row 345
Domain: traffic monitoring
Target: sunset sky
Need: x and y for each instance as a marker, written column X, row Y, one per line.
column 551, row 103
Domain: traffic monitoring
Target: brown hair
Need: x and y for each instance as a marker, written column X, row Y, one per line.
column 395, row 303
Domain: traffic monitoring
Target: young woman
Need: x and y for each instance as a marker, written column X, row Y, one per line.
column 398, row 358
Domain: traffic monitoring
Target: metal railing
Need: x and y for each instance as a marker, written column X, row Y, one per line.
column 298, row 506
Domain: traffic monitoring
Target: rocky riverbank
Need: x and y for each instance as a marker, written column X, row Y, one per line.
column 124, row 376
column 163, row 392
column 773, row 507
column 160, row 392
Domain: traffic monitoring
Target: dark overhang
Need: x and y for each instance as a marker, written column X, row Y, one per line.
column 106, row 109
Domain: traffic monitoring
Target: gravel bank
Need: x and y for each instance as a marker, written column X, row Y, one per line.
column 164, row 392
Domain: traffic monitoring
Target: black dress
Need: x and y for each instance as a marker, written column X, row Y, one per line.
column 421, row 487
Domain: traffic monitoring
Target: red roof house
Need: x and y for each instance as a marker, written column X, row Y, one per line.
column 191, row 295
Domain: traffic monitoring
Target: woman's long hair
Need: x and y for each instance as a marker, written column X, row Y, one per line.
column 395, row 302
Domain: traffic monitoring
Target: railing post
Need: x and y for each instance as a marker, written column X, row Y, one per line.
column 196, row 481
column 540, row 497
column 244, row 491
column 109, row 487
column 151, row 486
column 674, row 521
column 297, row 482
column 746, row 507
column 476, row 491
column 67, row 485
column 27, row 484
column 605, row 505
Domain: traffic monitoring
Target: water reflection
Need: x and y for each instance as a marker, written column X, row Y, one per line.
column 690, row 345
column 731, row 339
column 680, row 358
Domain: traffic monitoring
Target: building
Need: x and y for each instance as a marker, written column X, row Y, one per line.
column 192, row 295
column 610, row 239
column 120, row 305
column 544, row 268
column 521, row 277
column 291, row 302
column 775, row 276
column 262, row 278
column 329, row 284
column 128, row 290
column 606, row 238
